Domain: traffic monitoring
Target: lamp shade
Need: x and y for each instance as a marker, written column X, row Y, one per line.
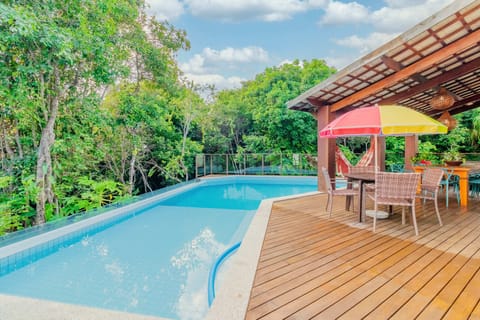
column 443, row 100
column 449, row 121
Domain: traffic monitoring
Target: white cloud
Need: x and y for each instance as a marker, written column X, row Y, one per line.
column 402, row 3
column 195, row 65
column 265, row 10
column 339, row 62
column 342, row 13
column 229, row 58
column 247, row 54
column 233, row 11
column 388, row 22
column 367, row 44
column 397, row 16
column 165, row 9
column 219, row 81
column 208, row 66
column 400, row 17
column 286, row 61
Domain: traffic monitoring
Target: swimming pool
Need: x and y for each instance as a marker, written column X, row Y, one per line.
column 154, row 260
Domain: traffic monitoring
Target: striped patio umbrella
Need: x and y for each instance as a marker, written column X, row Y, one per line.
column 388, row 120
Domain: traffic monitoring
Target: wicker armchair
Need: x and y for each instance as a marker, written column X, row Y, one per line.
column 430, row 186
column 335, row 192
column 396, row 189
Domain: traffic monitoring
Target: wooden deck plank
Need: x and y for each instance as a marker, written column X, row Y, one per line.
column 300, row 274
column 315, row 267
column 348, row 271
column 466, row 301
column 445, row 299
column 425, row 295
column 395, row 302
column 375, row 298
column 475, row 315
column 342, row 238
column 377, row 276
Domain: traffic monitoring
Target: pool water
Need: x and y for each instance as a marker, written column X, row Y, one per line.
column 156, row 262
column 239, row 195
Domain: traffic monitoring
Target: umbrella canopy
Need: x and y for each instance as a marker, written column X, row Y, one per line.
column 382, row 121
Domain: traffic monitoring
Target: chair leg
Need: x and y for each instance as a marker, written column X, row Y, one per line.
column 457, row 191
column 374, row 220
column 330, row 207
column 438, row 212
column 403, row 215
column 446, row 195
column 414, row 220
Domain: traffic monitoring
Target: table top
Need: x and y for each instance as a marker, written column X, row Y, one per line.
column 366, row 176
column 454, row 168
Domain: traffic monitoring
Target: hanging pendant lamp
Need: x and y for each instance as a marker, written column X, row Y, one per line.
column 449, row 121
column 443, row 100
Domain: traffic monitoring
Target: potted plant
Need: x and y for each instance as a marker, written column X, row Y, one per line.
column 426, row 154
column 420, row 160
column 453, row 157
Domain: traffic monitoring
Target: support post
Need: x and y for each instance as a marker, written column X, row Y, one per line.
column 411, row 148
column 325, row 147
column 381, row 153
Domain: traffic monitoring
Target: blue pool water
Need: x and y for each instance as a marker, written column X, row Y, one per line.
column 157, row 261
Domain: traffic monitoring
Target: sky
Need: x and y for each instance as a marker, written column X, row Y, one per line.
column 234, row 40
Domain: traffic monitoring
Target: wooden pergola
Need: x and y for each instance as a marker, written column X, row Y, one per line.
column 442, row 51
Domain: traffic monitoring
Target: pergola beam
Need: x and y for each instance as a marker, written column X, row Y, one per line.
column 397, row 66
column 464, row 105
column 457, row 46
column 445, row 77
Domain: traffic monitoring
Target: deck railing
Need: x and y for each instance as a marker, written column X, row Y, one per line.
column 256, row 164
column 287, row 164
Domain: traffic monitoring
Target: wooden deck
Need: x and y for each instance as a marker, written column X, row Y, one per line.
column 312, row 267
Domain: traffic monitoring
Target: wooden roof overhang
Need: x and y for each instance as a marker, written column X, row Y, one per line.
column 443, row 50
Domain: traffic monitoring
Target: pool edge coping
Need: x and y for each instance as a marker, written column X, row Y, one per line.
column 233, row 295
column 24, row 308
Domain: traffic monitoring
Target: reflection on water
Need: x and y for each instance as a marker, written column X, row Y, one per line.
column 194, row 261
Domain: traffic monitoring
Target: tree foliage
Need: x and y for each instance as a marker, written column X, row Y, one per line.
column 254, row 118
column 58, row 58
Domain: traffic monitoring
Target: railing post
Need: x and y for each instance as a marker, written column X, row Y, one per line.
column 281, row 157
column 263, row 164
column 244, row 164
column 226, row 165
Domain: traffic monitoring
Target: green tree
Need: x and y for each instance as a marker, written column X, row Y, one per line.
column 57, row 57
column 255, row 119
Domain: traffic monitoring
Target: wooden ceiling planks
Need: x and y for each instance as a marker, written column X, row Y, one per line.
column 444, row 50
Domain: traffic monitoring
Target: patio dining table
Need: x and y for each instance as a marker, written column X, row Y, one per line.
column 362, row 178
